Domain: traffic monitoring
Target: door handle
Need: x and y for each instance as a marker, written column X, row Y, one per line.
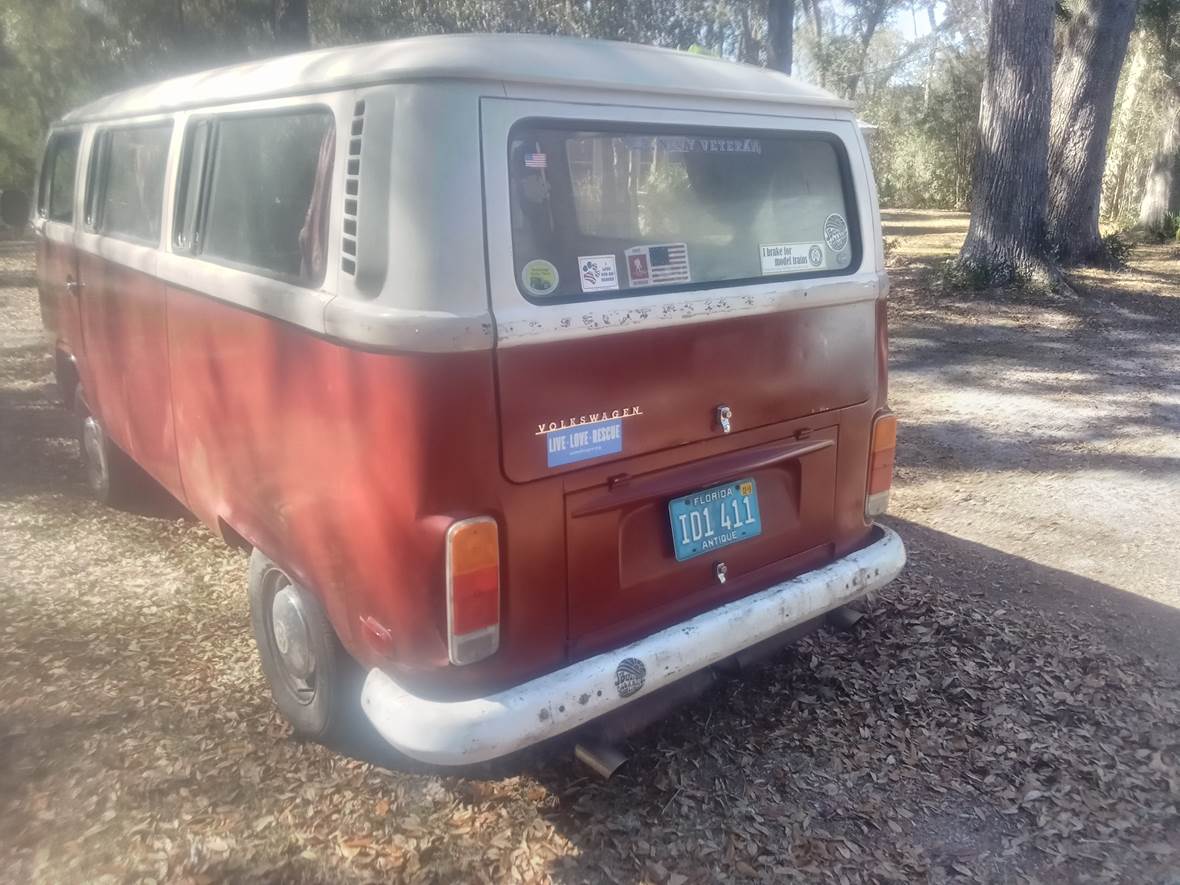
column 72, row 285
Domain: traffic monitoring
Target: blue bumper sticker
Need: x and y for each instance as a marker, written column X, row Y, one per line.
column 584, row 441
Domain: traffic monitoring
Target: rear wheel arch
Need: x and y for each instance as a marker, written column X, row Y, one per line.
column 65, row 372
column 232, row 537
column 319, row 694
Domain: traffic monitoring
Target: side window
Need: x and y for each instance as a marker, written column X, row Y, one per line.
column 193, row 163
column 267, row 192
column 98, row 162
column 55, row 198
column 127, row 182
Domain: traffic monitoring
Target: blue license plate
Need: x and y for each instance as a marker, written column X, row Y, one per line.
column 708, row 520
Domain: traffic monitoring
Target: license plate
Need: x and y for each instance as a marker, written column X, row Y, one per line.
column 708, row 520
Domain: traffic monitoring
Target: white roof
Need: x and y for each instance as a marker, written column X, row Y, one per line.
column 510, row 58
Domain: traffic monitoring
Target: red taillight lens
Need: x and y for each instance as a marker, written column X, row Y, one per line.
column 473, row 589
column 881, row 453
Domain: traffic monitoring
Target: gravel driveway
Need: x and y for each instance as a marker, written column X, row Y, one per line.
column 1008, row 711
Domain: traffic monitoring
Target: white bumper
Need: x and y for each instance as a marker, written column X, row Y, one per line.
column 464, row 732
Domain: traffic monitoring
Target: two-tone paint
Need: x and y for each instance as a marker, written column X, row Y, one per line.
column 343, row 429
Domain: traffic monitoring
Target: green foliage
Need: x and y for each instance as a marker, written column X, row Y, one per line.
column 970, row 276
column 56, row 54
column 1118, row 249
column 923, row 147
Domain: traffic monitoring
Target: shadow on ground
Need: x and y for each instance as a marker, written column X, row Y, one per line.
column 992, row 718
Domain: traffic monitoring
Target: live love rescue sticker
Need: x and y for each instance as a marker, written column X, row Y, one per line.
column 586, row 436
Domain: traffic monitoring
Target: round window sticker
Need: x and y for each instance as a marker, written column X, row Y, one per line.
column 836, row 232
column 539, row 277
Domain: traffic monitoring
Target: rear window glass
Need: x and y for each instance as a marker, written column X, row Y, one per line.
column 596, row 213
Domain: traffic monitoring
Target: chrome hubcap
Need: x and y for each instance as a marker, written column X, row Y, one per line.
column 292, row 638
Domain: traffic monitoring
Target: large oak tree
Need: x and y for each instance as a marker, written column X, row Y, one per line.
column 1085, row 81
column 1006, row 235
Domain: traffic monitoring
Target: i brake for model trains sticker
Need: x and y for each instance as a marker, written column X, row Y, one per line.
column 585, row 436
column 791, row 257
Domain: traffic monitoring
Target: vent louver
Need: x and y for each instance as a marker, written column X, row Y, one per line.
column 352, row 189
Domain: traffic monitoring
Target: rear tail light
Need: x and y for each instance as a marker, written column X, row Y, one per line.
column 473, row 589
column 881, row 465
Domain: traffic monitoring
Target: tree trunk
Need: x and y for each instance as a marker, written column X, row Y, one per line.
column 291, row 23
column 932, row 60
column 780, row 32
column 1116, row 200
column 1084, row 85
column 1010, row 181
column 821, row 52
column 1157, row 193
column 874, row 16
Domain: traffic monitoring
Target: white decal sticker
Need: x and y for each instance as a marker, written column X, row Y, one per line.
column 687, row 144
column 658, row 265
column 582, row 437
column 539, row 277
column 836, row 232
column 598, row 272
column 791, row 257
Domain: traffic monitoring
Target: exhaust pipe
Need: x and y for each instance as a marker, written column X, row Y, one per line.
column 844, row 618
column 602, row 758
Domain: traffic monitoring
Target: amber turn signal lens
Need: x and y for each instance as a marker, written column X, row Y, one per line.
column 881, row 452
column 473, row 589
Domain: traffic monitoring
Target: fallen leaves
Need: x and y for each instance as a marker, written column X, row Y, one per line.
column 954, row 735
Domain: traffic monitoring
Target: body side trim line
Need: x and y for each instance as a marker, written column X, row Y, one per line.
column 527, row 324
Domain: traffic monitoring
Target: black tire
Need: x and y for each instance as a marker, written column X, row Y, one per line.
column 113, row 478
column 322, row 704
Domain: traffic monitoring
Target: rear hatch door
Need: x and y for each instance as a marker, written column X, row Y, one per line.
column 679, row 304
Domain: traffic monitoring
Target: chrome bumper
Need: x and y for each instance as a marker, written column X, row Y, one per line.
column 464, row 732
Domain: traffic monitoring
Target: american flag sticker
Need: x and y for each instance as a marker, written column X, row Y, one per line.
column 658, row 265
column 536, row 161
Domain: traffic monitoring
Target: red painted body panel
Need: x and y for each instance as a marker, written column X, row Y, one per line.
column 623, row 574
column 125, row 324
column 791, row 379
column 56, row 264
column 766, row 368
column 347, row 466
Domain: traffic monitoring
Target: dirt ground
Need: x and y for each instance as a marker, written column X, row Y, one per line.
column 1009, row 710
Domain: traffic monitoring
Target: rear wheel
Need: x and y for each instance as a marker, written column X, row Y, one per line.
column 113, row 478
column 314, row 681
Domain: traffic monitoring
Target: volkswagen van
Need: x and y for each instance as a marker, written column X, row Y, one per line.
column 543, row 377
